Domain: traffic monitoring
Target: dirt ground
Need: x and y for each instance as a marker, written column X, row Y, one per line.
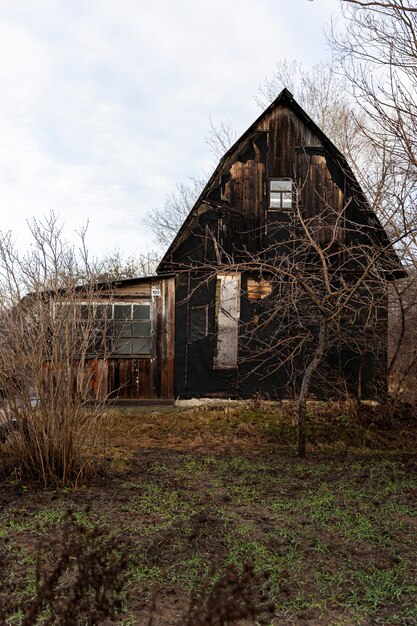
column 335, row 534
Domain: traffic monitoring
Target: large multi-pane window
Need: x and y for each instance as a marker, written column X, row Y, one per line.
column 122, row 328
column 131, row 329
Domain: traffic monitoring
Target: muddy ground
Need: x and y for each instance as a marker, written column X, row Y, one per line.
column 334, row 533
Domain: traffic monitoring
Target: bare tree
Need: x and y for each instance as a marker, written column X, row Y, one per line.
column 328, row 287
column 377, row 53
column 220, row 137
column 321, row 92
column 385, row 5
column 116, row 267
column 51, row 331
column 165, row 222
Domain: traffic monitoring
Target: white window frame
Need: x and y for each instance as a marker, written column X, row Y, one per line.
column 281, row 194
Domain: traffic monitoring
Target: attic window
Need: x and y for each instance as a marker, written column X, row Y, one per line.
column 280, row 194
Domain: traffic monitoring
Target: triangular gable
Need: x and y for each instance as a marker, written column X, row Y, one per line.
column 285, row 98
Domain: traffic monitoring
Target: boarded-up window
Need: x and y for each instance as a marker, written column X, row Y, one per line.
column 258, row 289
column 198, row 328
column 227, row 315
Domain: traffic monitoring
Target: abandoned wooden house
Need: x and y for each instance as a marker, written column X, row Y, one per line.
column 196, row 327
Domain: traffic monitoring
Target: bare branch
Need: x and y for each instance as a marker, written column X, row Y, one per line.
column 385, row 5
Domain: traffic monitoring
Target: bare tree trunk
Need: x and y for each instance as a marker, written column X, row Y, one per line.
column 358, row 394
column 305, row 386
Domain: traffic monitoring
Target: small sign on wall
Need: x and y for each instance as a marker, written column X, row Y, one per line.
column 155, row 292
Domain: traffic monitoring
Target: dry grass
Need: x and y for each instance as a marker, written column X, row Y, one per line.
column 205, row 491
column 332, row 426
column 59, row 446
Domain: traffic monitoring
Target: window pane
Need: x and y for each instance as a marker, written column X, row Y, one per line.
column 141, row 311
column 281, row 185
column 103, row 311
column 287, row 200
column 141, row 329
column 121, row 329
column 85, row 311
column 122, row 346
column 98, row 343
column 64, row 312
column 122, row 311
column 141, row 346
column 275, row 201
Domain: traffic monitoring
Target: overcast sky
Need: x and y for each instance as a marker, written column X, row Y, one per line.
column 104, row 103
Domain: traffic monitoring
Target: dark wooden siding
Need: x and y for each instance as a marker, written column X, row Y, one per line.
column 234, row 211
column 231, row 220
column 146, row 377
column 194, row 355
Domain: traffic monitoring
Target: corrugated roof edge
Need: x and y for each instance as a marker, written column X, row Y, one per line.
column 111, row 283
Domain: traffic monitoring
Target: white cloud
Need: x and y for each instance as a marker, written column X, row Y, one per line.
column 103, row 105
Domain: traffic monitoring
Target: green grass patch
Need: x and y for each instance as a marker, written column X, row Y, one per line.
column 334, row 532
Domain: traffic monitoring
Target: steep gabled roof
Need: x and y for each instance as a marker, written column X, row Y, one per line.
column 286, row 98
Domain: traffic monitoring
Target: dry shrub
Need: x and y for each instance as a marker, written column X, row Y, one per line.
column 51, row 332
column 235, row 596
column 80, row 576
column 257, row 401
column 54, row 447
